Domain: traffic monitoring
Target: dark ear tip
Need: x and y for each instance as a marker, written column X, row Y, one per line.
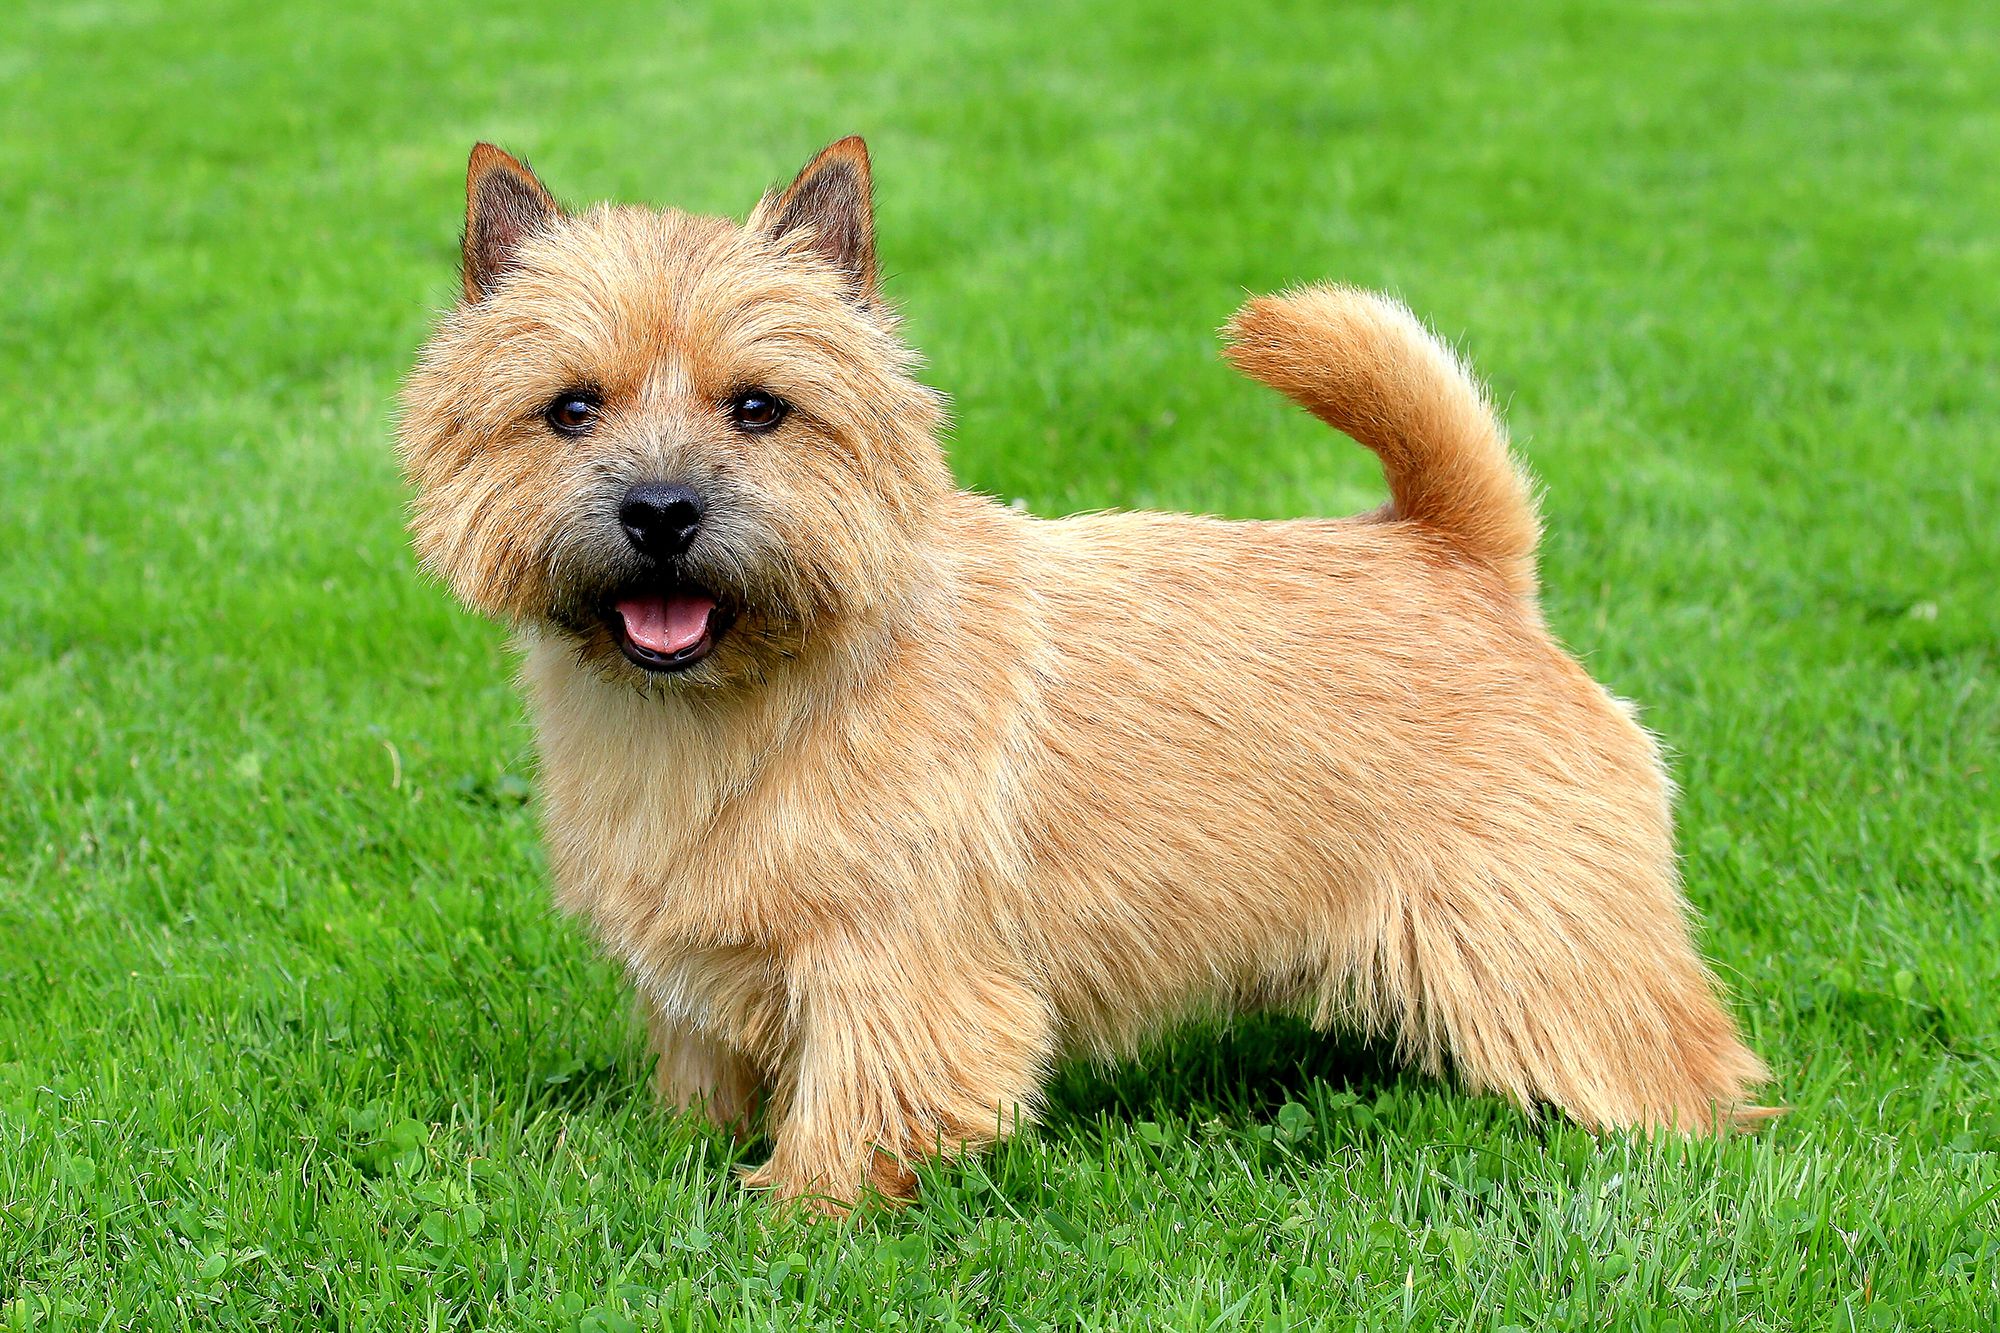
column 851, row 151
column 485, row 157
column 497, row 173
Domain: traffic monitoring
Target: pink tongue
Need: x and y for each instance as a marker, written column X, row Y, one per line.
column 666, row 625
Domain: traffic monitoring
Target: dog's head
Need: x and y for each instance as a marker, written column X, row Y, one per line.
column 688, row 445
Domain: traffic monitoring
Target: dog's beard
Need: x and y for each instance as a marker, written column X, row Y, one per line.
column 766, row 604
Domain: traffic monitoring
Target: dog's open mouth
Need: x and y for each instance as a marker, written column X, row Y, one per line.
column 667, row 631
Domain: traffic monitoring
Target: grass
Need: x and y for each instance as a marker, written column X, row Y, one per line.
column 288, row 1035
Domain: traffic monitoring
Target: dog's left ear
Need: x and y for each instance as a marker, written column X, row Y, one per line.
column 831, row 199
column 504, row 205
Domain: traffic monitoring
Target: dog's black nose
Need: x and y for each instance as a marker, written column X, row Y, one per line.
column 660, row 519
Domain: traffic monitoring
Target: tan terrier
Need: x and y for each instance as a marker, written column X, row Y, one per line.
column 890, row 798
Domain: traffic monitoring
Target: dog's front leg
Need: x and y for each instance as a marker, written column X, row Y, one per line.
column 699, row 1075
column 905, row 1049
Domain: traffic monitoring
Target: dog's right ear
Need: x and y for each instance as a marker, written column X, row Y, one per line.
column 833, row 201
column 504, row 205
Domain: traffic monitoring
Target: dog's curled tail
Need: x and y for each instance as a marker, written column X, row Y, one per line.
column 1365, row 365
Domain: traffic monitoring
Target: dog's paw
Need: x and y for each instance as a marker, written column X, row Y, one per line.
column 786, row 1196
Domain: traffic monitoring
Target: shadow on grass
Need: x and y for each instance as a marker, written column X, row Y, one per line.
column 1240, row 1072
column 575, row 1087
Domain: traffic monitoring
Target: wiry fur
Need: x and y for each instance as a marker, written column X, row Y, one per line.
column 969, row 790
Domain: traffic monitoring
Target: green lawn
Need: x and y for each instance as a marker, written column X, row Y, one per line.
column 289, row 1036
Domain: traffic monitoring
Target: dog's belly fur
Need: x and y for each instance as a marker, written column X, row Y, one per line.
column 1375, row 791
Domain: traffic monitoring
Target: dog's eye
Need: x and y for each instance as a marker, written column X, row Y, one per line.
column 572, row 413
column 757, row 411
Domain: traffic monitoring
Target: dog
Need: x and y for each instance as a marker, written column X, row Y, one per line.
column 889, row 797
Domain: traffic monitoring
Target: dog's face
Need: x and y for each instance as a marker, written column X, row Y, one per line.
column 691, row 447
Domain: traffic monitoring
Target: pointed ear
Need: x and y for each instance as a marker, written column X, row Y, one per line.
column 833, row 199
column 504, row 205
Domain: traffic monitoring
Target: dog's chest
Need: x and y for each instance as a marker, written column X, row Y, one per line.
column 675, row 848
column 671, row 827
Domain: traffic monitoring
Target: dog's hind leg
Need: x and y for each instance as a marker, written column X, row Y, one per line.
column 1591, row 1001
